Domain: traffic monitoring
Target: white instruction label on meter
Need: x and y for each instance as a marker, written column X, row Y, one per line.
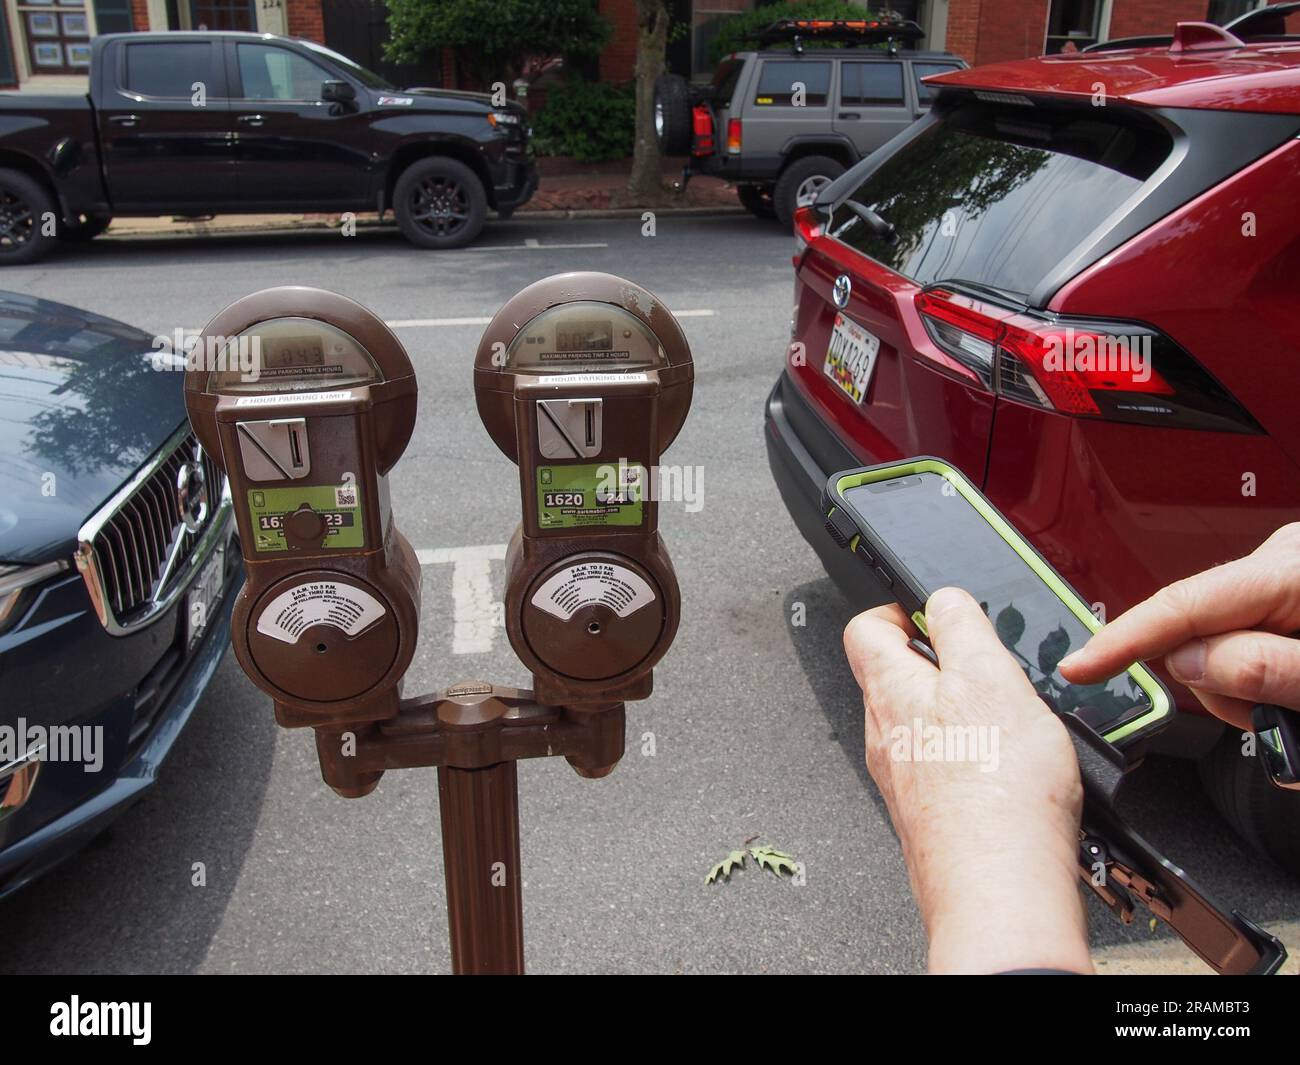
column 592, row 584
column 345, row 606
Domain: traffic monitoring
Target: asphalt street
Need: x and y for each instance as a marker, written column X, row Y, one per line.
column 756, row 722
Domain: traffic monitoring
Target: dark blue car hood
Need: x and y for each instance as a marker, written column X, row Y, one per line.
column 81, row 408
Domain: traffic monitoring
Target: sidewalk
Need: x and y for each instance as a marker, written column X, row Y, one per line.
column 567, row 189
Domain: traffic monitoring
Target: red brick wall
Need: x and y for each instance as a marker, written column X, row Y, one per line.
column 140, row 15
column 1011, row 29
column 618, row 60
column 992, row 31
column 1141, row 18
column 305, row 20
column 963, row 28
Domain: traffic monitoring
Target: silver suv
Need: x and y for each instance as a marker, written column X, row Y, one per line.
column 782, row 122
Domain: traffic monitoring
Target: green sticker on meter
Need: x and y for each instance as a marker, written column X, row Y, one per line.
column 338, row 504
column 601, row 493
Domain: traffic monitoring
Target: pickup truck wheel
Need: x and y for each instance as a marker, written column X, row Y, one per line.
column 24, row 207
column 757, row 200
column 439, row 203
column 673, row 114
column 1267, row 817
column 87, row 229
column 800, row 183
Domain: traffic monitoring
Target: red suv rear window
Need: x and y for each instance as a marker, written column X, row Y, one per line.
column 999, row 195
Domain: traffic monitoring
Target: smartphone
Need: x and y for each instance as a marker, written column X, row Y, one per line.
column 921, row 525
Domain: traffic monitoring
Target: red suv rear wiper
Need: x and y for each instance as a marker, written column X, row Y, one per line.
column 1002, row 295
column 876, row 223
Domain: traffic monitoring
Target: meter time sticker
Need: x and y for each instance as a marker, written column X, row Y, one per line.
column 601, row 493
column 338, row 505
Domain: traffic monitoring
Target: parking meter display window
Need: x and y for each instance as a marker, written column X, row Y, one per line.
column 338, row 508
column 584, row 335
column 286, row 353
column 590, row 494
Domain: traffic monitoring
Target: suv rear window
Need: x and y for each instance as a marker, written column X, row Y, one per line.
column 1001, row 195
column 780, row 78
column 724, row 82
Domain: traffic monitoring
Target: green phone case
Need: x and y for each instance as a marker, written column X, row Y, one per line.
column 859, row 538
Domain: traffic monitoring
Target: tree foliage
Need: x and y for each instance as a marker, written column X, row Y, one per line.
column 495, row 38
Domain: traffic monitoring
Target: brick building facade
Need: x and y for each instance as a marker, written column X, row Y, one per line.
column 45, row 43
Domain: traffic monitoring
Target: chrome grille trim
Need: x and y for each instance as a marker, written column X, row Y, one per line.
column 135, row 553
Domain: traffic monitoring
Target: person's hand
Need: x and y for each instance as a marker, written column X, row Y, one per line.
column 989, row 819
column 1225, row 633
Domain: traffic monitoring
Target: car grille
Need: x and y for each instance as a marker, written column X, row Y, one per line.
column 138, row 551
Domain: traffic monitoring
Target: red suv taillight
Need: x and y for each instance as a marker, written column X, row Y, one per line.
column 702, row 130
column 1118, row 371
column 733, row 136
column 807, row 227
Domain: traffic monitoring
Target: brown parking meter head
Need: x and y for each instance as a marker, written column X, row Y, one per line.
column 306, row 400
column 583, row 379
column 578, row 323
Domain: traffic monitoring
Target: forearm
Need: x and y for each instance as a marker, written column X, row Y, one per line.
column 1020, row 911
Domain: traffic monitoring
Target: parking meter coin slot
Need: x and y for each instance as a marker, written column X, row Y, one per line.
column 274, row 450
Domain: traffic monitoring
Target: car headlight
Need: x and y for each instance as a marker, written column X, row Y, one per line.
column 503, row 118
column 16, row 580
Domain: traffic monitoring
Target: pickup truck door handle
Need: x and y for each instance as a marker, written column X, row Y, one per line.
column 124, row 120
column 848, row 115
column 252, row 120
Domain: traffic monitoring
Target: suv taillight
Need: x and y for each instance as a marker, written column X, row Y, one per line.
column 807, row 227
column 702, row 130
column 733, row 136
column 1118, row 371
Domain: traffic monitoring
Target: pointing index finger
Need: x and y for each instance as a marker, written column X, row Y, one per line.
column 1242, row 594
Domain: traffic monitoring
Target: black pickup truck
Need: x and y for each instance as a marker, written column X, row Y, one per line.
column 198, row 124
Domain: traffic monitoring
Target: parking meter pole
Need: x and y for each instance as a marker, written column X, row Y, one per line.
column 480, row 847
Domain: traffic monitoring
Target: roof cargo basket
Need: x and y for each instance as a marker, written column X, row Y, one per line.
column 798, row 31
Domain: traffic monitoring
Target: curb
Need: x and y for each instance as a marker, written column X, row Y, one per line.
column 208, row 229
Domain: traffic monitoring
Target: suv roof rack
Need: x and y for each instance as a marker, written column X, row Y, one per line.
column 847, row 31
column 1262, row 24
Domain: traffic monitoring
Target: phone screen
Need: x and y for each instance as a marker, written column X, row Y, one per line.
column 943, row 540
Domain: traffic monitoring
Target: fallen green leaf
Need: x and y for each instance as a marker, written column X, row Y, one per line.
column 773, row 859
column 724, row 868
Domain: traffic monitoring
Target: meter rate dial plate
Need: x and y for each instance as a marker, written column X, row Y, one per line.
column 593, row 616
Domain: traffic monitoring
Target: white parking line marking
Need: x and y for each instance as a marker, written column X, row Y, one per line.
column 475, row 612
column 417, row 323
column 532, row 245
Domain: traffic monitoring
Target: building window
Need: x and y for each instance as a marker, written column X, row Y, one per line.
column 56, row 36
column 223, row 15
column 1072, row 25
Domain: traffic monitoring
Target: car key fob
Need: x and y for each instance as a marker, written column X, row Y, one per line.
column 1278, row 742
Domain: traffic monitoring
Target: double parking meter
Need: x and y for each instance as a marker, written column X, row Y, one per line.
column 307, row 400
column 583, row 379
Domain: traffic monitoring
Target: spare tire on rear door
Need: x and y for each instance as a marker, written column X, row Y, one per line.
column 673, row 114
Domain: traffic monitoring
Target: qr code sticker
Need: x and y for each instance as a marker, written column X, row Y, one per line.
column 345, row 496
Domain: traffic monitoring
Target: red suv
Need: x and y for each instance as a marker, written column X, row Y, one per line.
column 1078, row 279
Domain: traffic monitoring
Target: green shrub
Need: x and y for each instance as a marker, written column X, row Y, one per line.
column 590, row 121
column 740, row 32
